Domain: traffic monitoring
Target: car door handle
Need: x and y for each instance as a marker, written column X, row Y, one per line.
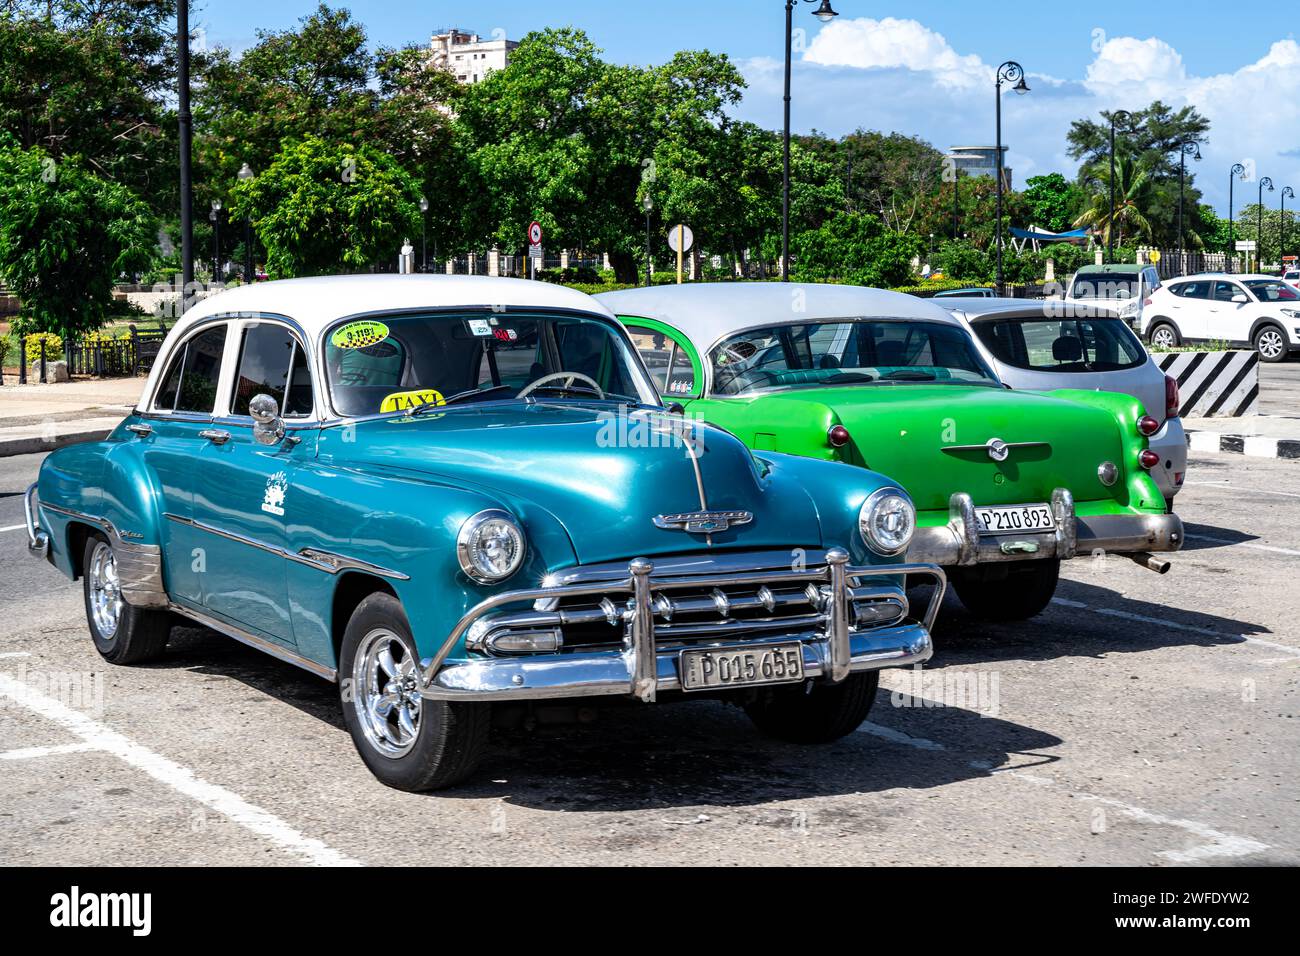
column 140, row 429
column 215, row 435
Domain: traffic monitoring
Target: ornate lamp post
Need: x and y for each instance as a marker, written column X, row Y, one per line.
column 245, row 174
column 1237, row 171
column 648, row 204
column 216, row 240
column 424, row 234
column 1110, row 230
column 1008, row 72
column 1193, row 150
column 1259, row 231
column 1287, row 193
column 825, row 14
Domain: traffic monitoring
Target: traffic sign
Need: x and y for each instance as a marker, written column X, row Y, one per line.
column 1155, row 255
column 687, row 238
column 534, row 233
column 1245, row 245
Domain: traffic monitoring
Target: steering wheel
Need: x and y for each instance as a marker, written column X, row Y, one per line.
column 569, row 378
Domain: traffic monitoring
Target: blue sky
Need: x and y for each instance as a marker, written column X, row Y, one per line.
column 924, row 67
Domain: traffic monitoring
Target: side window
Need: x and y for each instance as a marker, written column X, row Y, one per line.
column 667, row 361
column 1224, row 291
column 190, row 384
column 265, row 357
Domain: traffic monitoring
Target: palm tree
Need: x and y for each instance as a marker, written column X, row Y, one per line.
column 1132, row 195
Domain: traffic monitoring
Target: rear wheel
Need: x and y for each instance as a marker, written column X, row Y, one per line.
column 814, row 713
column 408, row 742
column 123, row 634
column 1270, row 343
column 1007, row 592
column 1163, row 336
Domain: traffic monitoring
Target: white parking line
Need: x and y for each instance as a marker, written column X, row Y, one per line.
column 1227, row 486
column 172, row 774
column 31, row 753
column 1174, row 625
column 1244, row 544
column 15, row 654
column 15, row 527
column 1218, row 843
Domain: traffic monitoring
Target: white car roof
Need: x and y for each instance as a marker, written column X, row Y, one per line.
column 1231, row 276
column 709, row 311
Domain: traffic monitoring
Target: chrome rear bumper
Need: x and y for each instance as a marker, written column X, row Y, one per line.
column 38, row 540
column 959, row 542
column 640, row 668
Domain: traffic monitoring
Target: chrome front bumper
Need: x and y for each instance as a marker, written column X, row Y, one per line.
column 38, row 540
column 640, row 668
column 959, row 542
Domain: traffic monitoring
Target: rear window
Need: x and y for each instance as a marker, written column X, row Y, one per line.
column 1104, row 285
column 1062, row 345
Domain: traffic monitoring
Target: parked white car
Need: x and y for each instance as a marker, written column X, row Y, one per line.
column 1050, row 344
column 1256, row 310
column 1124, row 288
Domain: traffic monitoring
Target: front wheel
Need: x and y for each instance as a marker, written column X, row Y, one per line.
column 1271, row 344
column 408, row 742
column 123, row 634
column 1163, row 336
column 1007, row 592
column 814, row 713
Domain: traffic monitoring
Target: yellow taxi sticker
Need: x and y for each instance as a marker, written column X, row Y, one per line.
column 359, row 335
column 402, row 401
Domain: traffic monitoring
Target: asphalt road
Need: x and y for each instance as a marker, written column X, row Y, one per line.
column 1141, row 720
column 1279, row 392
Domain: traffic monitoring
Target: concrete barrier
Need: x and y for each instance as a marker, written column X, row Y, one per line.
column 1214, row 384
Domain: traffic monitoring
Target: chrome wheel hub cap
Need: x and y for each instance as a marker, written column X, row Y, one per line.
column 1164, row 338
column 105, row 591
column 386, row 693
column 1270, row 343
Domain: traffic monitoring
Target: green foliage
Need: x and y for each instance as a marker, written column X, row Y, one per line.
column 327, row 207
column 965, row 263
column 1270, row 249
column 65, row 237
column 53, row 345
column 1127, row 219
column 853, row 248
column 1052, row 202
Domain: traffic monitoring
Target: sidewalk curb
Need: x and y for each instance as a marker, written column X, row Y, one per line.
column 33, row 444
column 1254, row 446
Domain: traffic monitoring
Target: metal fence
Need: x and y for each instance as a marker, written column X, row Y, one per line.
column 133, row 355
column 1174, row 263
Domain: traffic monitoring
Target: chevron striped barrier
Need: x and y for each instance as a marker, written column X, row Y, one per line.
column 1214, row 384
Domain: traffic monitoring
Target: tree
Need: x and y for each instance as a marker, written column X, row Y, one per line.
column 325, row 207
column 889, row 175
column 1052, row 202
column 1270, row 249
column 855, row 248
column 65, row 236
column 1132, row 192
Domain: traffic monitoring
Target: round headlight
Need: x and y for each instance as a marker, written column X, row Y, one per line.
column 886, row 521
column 490, row 546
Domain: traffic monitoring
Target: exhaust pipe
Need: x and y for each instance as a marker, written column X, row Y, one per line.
column 1150, row 561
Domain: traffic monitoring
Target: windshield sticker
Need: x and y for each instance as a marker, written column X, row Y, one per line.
column 480, row 327
column 506, row 335
column 403, row 401
column 359, row 335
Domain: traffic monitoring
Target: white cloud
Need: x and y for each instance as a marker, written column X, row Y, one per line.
column 892, row 43
column 1125, row 63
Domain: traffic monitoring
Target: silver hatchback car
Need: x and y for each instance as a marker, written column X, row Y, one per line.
column 1049, row 344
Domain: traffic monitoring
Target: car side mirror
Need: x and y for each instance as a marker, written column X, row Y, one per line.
column 675, row 408
column 268, row 429
column 1240, row 298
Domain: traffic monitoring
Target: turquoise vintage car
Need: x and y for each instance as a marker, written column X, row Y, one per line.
column 454, row 493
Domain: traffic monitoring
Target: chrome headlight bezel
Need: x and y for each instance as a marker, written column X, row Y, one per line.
column 469, row 534
column 875, row 501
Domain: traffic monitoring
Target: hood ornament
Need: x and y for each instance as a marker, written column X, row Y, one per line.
column 998, row 449
column 703, row 522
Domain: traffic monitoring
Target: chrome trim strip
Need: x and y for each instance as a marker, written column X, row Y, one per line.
column 1008, row 444
column 327, row 561
column 255, row 642
column 139, row 566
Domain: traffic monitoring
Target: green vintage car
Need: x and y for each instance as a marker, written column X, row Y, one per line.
column 1006, row 484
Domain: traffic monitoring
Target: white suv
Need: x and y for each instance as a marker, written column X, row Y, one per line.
column 1257, row 310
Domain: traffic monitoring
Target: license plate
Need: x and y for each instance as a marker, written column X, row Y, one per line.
column 1015, row 519
column 771, row 664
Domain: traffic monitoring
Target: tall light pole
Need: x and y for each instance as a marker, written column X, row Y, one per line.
column 1287, row 193
column 1259, row 231
column 216, row 240
column 648, row 204
column 1236, row 171
column 424, row 234
column 1008, row 72
column 245, row 174
column 956, row 209
column 1110, row 228
column 1187, row 149
column 185, row 124
column 825, row 14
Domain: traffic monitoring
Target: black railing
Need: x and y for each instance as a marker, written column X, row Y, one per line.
column 132, row 355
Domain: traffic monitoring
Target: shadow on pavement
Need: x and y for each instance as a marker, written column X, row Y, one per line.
column 1204, row 537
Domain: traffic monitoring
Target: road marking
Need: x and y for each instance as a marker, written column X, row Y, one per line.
column 30, row 753
column 1163, row 622
column 15, row 527
column 1218, row 843
column 172, row 774
column 1244, row 544
column 15, row 654
column 1226, row 486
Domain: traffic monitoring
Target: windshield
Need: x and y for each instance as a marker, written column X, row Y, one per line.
column 1062, row 345
column 395, row 363
column 1271, row 290
column 847, row 352
column 1104, row 285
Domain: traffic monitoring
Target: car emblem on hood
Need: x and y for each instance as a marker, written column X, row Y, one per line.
column 703, row 522
column 998, row 449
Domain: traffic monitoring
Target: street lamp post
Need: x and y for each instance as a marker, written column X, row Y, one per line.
column 185, row 126
column 956, row 209
column 216, row 240
column 648, row 204
column 1287, row 193
column 1008, row 72
column 424, row 234
column 1259, row 230
column 825, row 14
column 1110, row 227
column 245, row 174
column 1236, row 171
column 1193, row 150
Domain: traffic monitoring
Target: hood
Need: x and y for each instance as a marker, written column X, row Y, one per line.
column 603, row 474
column 912, row 433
